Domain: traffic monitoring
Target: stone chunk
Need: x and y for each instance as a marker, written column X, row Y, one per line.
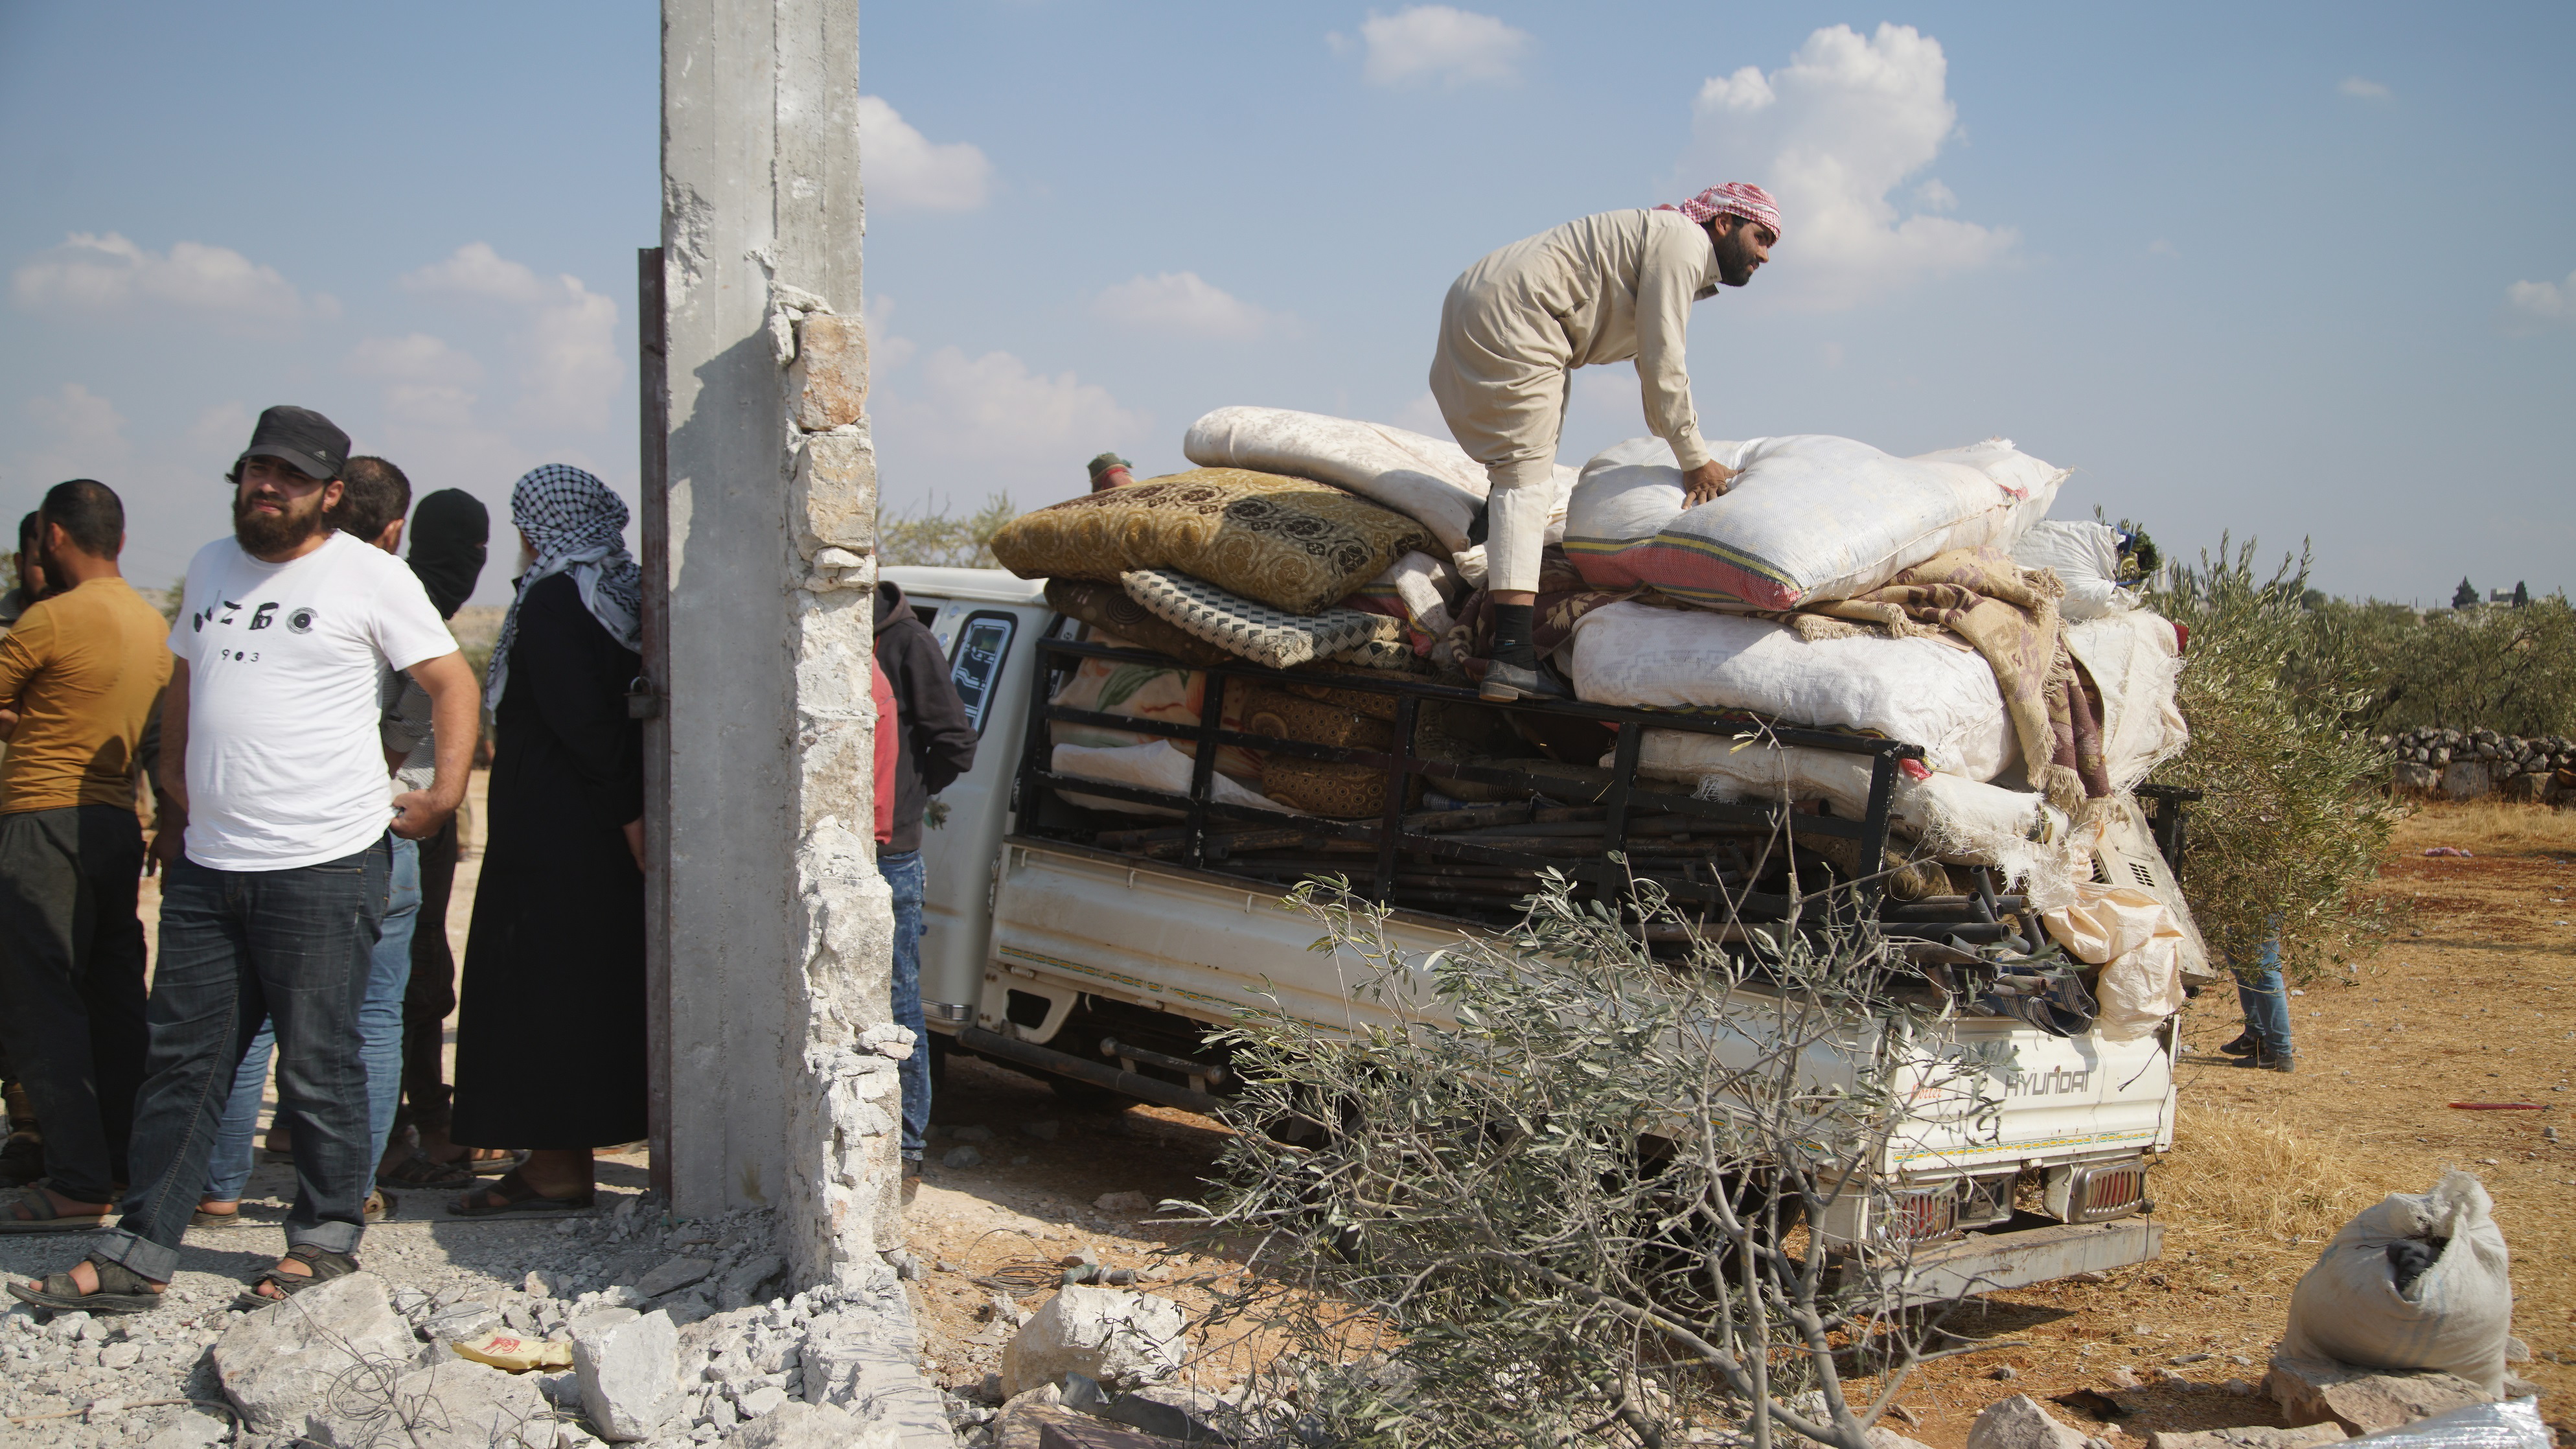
column 829, row 378
column 1192, row 1416
column 673, row 1276
column 834, row 501
column 741, row 1287
column 2363, row 1400
column 280, row 1363
column 2467, row 780
column 2254, row 1436
column 1123, row 1202
column 628, row 1369
column 453, row 1405
column 813, row 1426
column 1124, row 1340
column 2020, row 1423
column 191, row 1429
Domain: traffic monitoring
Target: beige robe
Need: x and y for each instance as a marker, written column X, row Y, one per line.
column 1598, row 289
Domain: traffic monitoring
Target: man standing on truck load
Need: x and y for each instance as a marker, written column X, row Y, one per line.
column 935, row 744
column 1605, row 288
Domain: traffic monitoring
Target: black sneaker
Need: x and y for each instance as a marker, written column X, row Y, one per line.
column 1511, row 681
column 2243, row 1046
column 2264, row 1059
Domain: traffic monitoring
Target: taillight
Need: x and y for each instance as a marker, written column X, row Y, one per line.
column 1916, row 1215
column 2097, row 1194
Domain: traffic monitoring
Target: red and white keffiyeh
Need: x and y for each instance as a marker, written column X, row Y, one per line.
column 1735, row 198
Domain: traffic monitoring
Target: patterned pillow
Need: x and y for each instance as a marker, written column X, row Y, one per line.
column 1107, row 607
column 1284, row 542
column 1254, row 631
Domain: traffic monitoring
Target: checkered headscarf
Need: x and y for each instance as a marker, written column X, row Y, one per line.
column 575, row 524
column 1735, row 198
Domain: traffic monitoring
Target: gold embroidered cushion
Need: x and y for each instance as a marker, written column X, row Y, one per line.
column 1284, row 542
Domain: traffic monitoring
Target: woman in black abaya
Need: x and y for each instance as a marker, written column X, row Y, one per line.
column 550, row 1033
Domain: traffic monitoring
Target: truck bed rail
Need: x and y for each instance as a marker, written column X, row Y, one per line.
column 1473, row 862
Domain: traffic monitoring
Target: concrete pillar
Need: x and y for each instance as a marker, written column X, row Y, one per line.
column 777, row 938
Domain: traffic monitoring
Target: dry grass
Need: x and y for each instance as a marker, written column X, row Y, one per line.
column 2234, row 1173
column 2493, row 824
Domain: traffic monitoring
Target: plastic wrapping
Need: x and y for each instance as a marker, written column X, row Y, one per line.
column 2513, row 1424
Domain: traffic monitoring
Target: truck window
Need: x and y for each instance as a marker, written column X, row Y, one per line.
column 975, row 667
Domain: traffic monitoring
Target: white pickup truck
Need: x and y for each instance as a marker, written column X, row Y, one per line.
column 1067, row 943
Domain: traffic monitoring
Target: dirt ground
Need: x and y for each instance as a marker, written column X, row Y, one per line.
column 2474, row 1000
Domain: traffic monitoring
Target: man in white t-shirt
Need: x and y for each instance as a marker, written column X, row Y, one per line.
column 269, row 743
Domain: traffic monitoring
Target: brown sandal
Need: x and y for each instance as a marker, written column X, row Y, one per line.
column 326, row 1265
column 517, row 1199
column 41, row 1216
column 120, row 1290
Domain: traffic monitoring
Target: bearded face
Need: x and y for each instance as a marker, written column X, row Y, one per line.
column 276, row 509
column 1741, row 251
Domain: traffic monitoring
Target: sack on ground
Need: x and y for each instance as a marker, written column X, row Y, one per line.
column 1925, row 691
column 1810, row 518
column 1286, row 542
column 2359, row 1305
column 2086, row 556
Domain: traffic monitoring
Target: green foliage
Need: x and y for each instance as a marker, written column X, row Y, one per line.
column 937, row 539
column 2489, row 666
column 2295, row 816
column 1567, row 1194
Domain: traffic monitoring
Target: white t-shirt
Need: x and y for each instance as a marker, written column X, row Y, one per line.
column 284, row 764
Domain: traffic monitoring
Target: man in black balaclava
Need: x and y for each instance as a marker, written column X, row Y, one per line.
column 450, row 531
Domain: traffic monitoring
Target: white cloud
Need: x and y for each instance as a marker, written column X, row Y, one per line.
column 416, row 357
column 475, row 270
column 2533, row 305
column 2362, row 90
column 1436, row 42
column 904, row 170
column 106, row 272
column 966, row 425
column 886, row 351
column 81, row 435
column 570, row 369
column 219, row 433
column 1182, row 304
column 1833, row 134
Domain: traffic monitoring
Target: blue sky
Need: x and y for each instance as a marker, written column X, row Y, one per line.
column 2288, row 271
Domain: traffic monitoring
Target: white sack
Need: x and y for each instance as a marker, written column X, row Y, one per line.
column 1924, row 691
column 2457, row 1317
column 2134, row 939
column 2135, row 659
column 2030, row 841
column 1153, row 766
column 1812, row 517
column 2086, row 556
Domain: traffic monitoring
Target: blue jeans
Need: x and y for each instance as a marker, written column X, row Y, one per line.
column 904, row 874
column 236, row 946
column 379, row 1020
column 2265, row 999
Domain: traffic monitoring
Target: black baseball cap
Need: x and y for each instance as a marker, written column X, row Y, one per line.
column 302, row 439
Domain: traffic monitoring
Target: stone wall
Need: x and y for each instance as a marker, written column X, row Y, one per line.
column 2457, row 764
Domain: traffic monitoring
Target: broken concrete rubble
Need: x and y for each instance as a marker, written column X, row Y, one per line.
column 2253, row 1436
column 282, row 1363
column 1121, row 1339
column 451, row 1405
column 2020, row 1423
column 2363, row 1400
column 627, row 1365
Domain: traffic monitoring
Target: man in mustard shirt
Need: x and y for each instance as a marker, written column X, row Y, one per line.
column 79, row 676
